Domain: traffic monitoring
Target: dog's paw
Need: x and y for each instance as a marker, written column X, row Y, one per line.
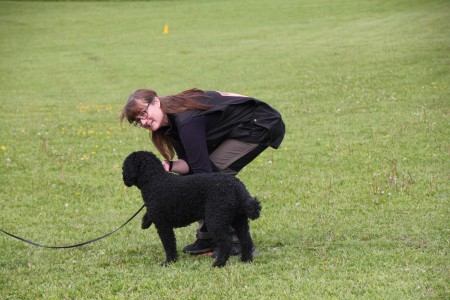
column 146, row 222
column 146, row 225
column 247, row 259
column 166, row 263
column 219, row 264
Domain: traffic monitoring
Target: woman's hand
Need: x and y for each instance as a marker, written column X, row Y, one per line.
column 166, row 165
column 178, row 166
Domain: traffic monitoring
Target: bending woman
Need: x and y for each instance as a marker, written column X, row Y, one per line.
column 209, row 131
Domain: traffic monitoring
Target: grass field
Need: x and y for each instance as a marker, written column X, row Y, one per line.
column 355, row 202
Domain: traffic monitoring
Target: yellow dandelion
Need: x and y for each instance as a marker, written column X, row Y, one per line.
column 3, row 148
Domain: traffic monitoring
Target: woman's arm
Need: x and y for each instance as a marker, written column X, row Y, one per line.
column 178, row 166
column 193, row 139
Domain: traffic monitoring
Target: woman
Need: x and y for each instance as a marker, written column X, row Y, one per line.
column 209, row 131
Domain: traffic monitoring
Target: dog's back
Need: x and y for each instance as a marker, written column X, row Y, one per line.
column 187, row 198
column 221, row 187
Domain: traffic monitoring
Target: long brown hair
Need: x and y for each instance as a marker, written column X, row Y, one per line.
column 171, row 104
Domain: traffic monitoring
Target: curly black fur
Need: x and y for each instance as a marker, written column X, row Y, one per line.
column 174, row 201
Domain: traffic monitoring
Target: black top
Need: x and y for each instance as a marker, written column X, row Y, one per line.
column 200, row 132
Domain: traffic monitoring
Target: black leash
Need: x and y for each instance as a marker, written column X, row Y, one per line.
column 72, row 246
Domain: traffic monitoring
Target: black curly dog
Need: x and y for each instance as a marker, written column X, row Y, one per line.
column 174, row 201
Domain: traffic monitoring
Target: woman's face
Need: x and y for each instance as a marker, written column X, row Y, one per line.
column 152, row 117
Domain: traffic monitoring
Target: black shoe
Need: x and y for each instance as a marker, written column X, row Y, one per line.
column 200, row 247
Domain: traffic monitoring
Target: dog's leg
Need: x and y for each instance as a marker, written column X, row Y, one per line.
column 167, row 236
column 242, row 229
column 146, row 221
column 223, row 241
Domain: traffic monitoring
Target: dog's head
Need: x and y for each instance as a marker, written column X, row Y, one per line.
column 139, row 167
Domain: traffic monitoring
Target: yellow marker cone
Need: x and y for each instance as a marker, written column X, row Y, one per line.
column 166, row 29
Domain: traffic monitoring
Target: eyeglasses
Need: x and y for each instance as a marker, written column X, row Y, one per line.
column 142, row 115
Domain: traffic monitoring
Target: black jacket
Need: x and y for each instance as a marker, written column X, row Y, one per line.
column 232, row 117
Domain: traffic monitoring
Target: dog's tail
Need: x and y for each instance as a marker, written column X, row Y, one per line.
column 252, row 208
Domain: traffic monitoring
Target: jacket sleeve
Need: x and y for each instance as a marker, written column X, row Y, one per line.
column 193, row 139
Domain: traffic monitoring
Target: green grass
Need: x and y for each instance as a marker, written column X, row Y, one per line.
column 355, row 202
